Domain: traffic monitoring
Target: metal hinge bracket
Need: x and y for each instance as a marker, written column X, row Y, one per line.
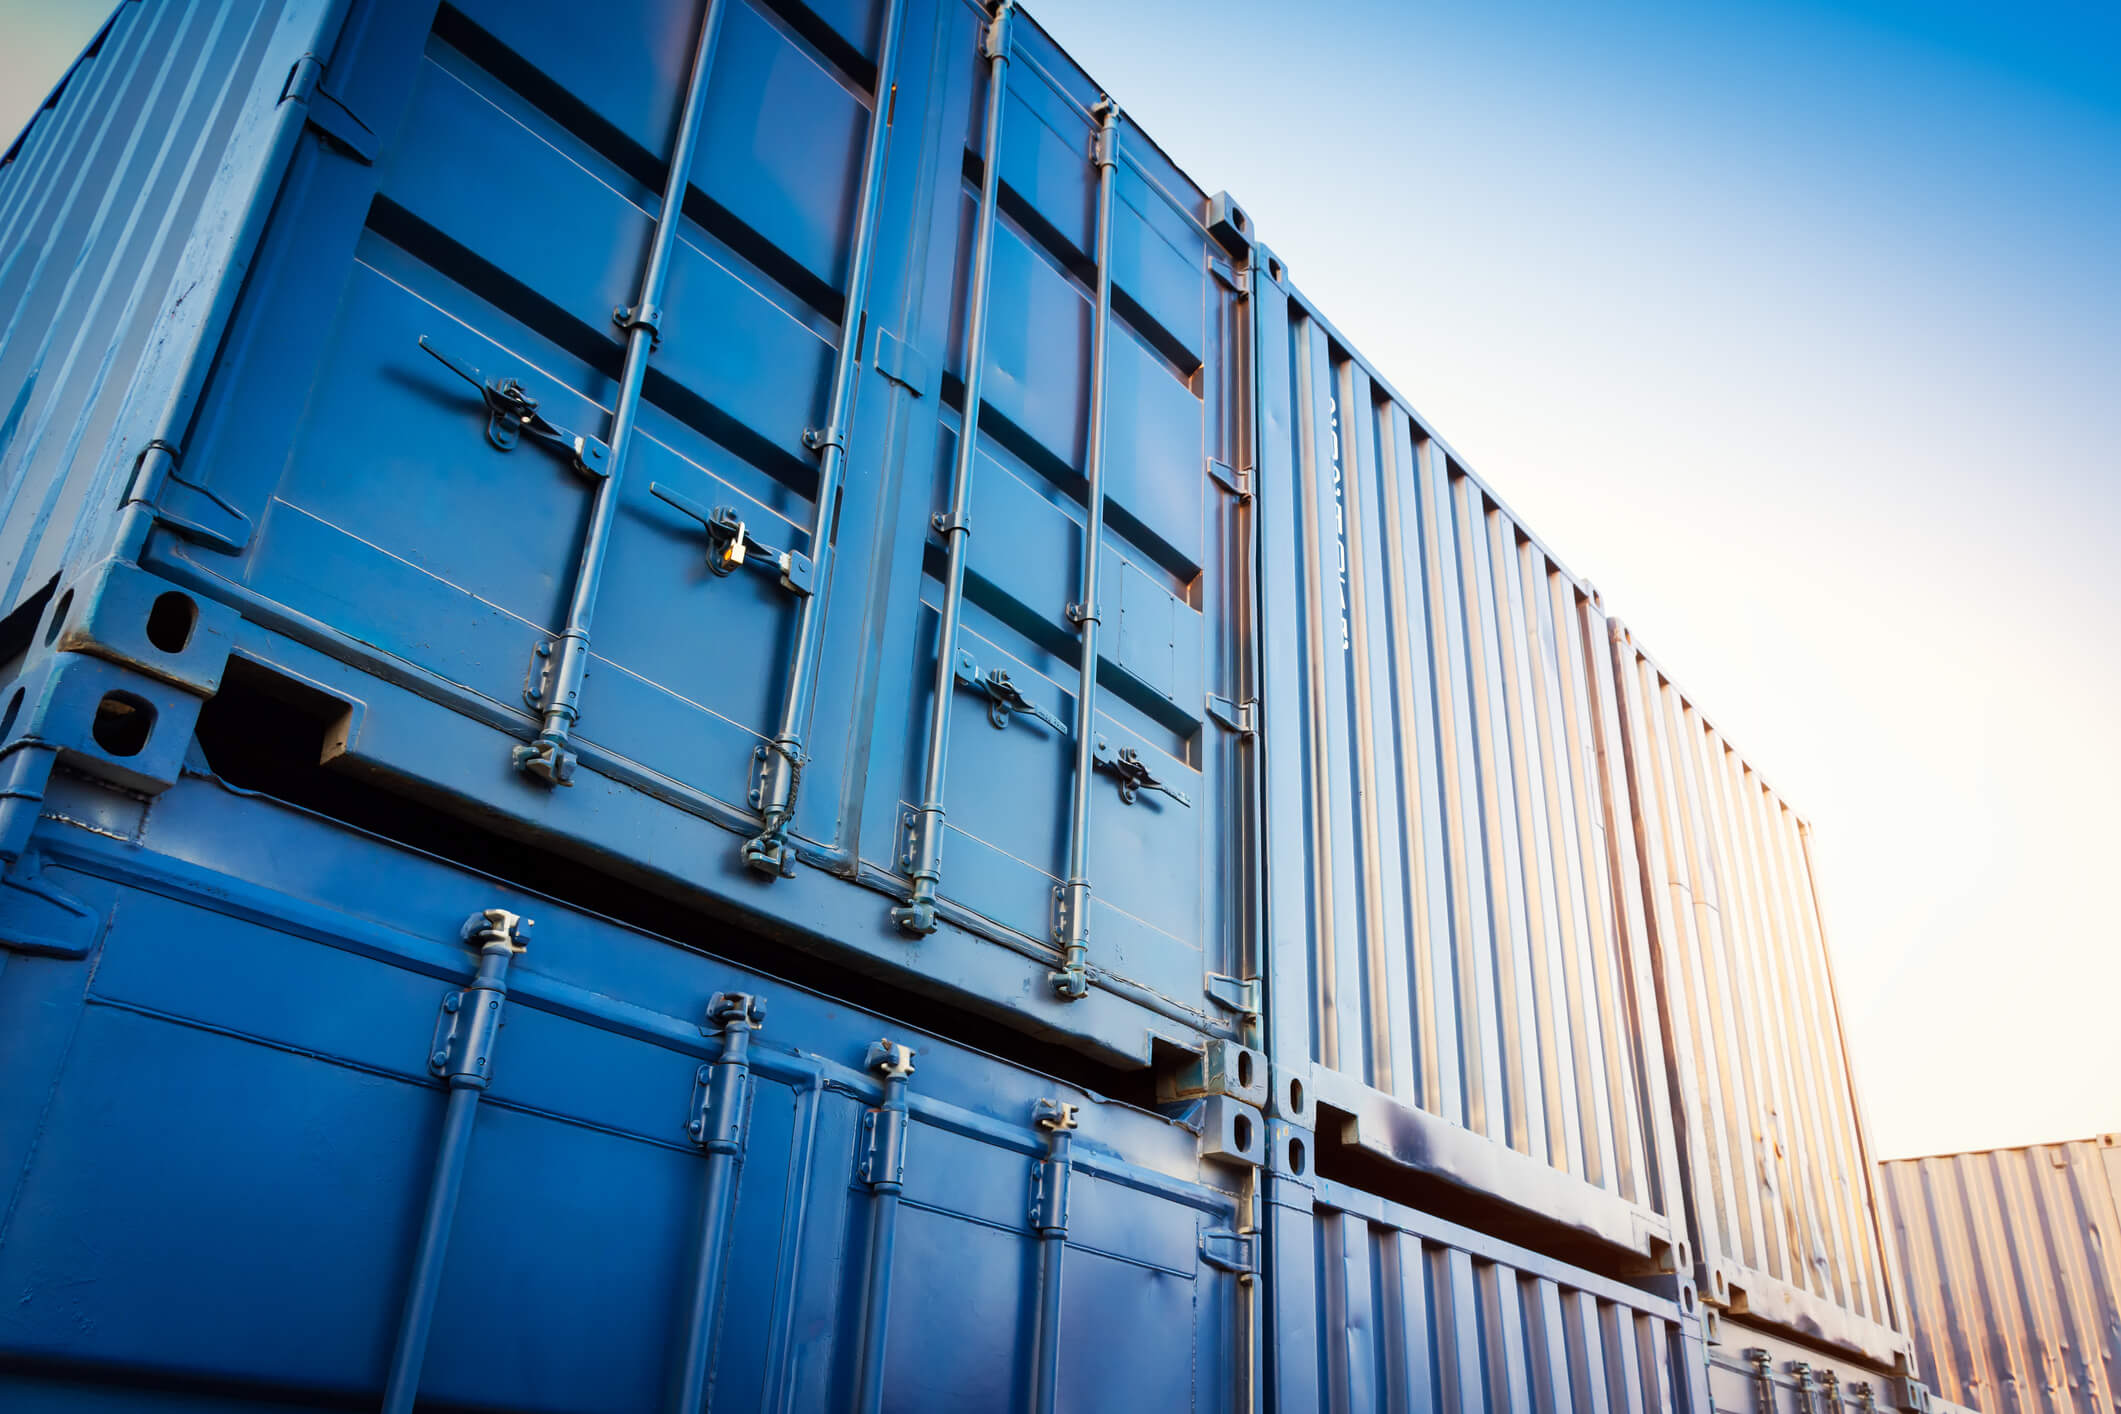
column 537, row 680
column 650, row 317
column 883, row 1153
column 1236, row 480
column 1234, row 279
column 1229, row 1251
column 325, row 113
column 901, row 362
column 883, row 1147
column 464, row 1035
column 721, row 1091
column 1240, row 717
column 1240, row 995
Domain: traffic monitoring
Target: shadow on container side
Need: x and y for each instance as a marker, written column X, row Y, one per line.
column 312, row 1109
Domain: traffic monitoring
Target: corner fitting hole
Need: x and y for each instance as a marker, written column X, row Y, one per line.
column 1296, row 1157
column 1296, row 1099
column 1237, row 218
column 14, row 710
column 123, row 723
column 1244, row 1070
column 1686, row 1299
column 51, row 630
column 169, row 622
column 1243, row 1133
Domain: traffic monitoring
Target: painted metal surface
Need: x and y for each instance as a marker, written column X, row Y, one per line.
column 128, row 208
column 1456, row 935
column 1781, row 1199
column 1376, row 1306
column 222, row 1123
column 800, row 389
column 2013, row 1267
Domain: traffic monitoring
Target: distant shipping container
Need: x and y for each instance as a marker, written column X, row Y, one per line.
column 2013, row 1263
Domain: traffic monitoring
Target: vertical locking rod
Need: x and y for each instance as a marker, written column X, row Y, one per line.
column 768, row 851
column 883, row 1169
column 925, row 857
column 549, row 758
column 1763, row 1379
column 1072, row 897
column 463, row 1055
column 718, row 1128
column 1049, row 1219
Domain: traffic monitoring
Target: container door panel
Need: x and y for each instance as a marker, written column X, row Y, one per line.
column 1167, row 596
column 506, row 221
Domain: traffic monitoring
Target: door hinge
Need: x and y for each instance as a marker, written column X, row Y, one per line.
column 324, row 111
column 1236, row 480
column 1232, row 278
column 1229, row 1251
column 1240, row 717
column 1239, row 995
column 901, row 362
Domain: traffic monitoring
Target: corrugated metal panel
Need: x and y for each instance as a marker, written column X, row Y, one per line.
column 102, row 241
column 2013, row 1264
column 1455, row 926
column 1403, row 1311
column 220, row 1127
column 1779, row 1187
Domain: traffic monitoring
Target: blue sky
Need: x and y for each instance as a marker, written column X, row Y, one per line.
column 1796, row 328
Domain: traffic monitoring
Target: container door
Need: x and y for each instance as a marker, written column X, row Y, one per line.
column 1163, row 866
column 363, row 506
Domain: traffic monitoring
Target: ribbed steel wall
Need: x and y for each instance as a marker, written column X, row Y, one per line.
column 2014, row 1274
column 1449, row 887
column 1414, row 1313
column 98, row 200
column 1779, row 1192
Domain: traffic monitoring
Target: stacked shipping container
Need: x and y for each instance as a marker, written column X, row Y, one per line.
column 2014, row 1272
column 1060, row 816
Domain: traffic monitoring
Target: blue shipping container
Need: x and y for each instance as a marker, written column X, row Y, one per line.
column 469, row 461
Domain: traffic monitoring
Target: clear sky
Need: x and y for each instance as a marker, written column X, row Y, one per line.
column 1797, row 328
